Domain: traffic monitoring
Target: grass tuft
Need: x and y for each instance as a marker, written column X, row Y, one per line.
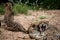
column 20, row 8
column 2, row 9
column 43, row 17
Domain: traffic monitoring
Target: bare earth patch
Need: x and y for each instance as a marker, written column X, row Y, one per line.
column 26, row 21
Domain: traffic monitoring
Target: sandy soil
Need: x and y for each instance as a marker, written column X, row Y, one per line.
column 26, row 21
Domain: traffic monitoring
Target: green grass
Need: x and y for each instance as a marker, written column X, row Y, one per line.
column 43, row 17
column 20, row 8
column 2, row 9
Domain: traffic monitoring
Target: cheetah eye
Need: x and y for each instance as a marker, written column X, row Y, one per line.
column 44, row 25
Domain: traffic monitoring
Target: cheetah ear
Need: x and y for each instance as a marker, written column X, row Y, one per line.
column 6, row 4
column 32, row 25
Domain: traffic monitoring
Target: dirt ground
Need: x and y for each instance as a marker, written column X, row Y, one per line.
column 52, row 15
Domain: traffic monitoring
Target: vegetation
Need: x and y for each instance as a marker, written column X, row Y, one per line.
column 43, row 17
column 1, row 9
column 45, row 4
column 18, row 8
column 22, row 6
